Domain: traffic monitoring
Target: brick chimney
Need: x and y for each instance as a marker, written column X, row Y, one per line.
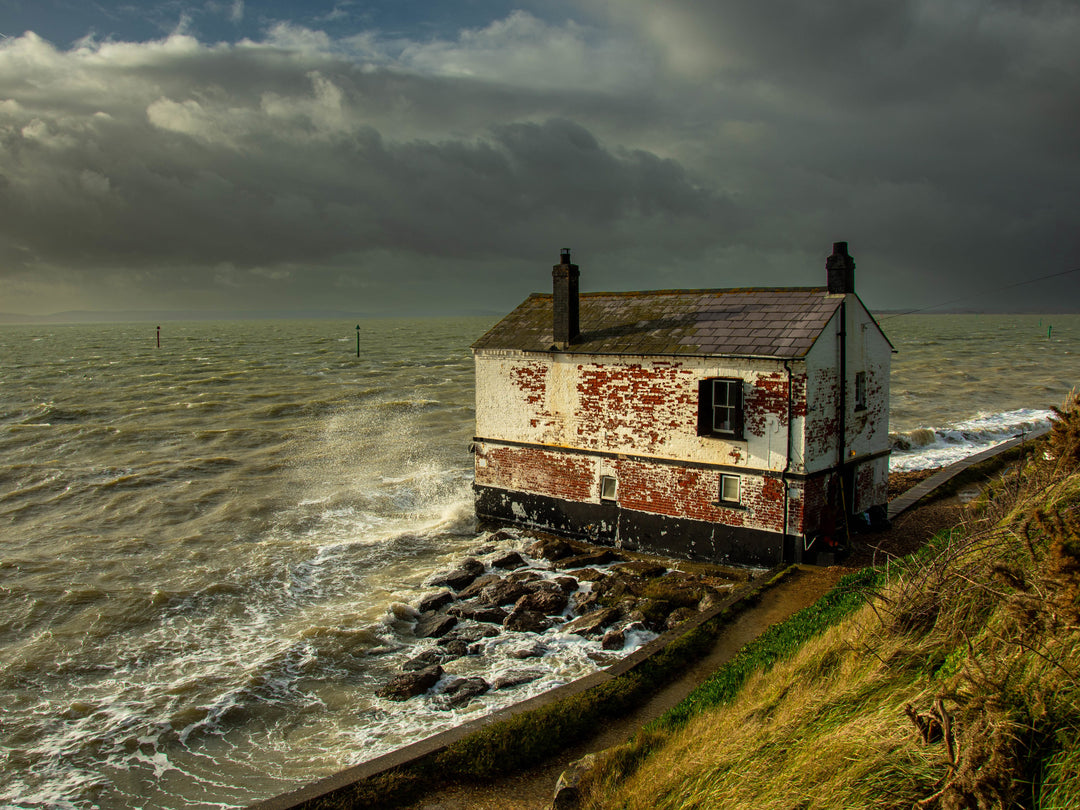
column 840, row 269
column 564, row 279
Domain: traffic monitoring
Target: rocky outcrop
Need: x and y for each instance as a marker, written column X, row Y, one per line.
column 410, row 684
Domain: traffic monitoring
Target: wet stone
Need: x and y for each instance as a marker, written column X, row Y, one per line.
column 455, row 648
column 478, row 585
column 640, row 568
column 527, row 621
column 592, row 623
column 461, row 690
column 679, row 616
column 544, row 602
column 589, row 575
column 613, row 639
column 567, row 584
column 460, row 577
column 508, row 562
column 428, row 658
column 551, row 548
column 435, row 601
column 512, row 679
column 410, row 684
column 599, row 557
column 504, row 592
column 470, row 635
column 533, row 650
column 434, row 625
column 479, row 613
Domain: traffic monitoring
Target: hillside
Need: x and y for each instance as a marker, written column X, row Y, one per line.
column 945, row 680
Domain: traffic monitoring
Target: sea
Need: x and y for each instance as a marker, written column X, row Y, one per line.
column 211, row 551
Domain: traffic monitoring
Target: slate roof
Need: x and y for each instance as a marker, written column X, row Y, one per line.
column 782, row 322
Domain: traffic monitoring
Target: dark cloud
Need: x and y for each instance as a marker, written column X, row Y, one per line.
column 677, row 144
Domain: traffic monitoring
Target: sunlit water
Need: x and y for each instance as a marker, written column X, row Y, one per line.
column 207, row 549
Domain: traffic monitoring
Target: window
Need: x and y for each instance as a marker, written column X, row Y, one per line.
column 607, row 487
column 720, row 407
column 860, row 390
column 729, row 489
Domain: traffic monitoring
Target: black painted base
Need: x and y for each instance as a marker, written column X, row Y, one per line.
column 606, row 523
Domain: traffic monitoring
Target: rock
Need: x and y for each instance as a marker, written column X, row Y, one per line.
column 479, row 613
column 508, row 562
column 512, row 679
column 551, row 548
column 589, row 574
column 460, row 577
column 455, row 648
column 461, row 690
column 583, row 603
column 428, row 658
column 504, row 592
column 527, row 621
column 435, row 601
column 591, row 623
column 567, row 584
column 525, row 576
column 403, row 611
column 613, row 639
column 640, row 568
column 434, row 625
column 545, row 602
column 601, row 556
column 478, row 586
column 469, row 635
column 533, row 650
column 567, row 796
column 501, row 536
column 410, row 684
column 678, row 616
column 711, row 598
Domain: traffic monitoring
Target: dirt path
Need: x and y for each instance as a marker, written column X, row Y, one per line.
column 533, row 789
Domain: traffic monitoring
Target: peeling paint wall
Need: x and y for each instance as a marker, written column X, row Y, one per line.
column 640, row 406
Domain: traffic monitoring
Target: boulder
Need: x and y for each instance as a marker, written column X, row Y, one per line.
column 460, row 577
column 435, row 601
column 532, row 650
column 477, row 586
column 504, row 592
column 592, row 623
column 469, row 635
column 583, row 603
column 428, row 658
column 455, row 648
column 678, row 616
column 640, row 568
column 434, row 625
column 567, row 584
column 478, row 613
column 551, row 548
column 509, row 562
column 527, row 621
column 512, row 679
column 601, row 556
column 545, row 602
column 409, row 684
column 589, row 574
column 613, row 639
column 461, row 690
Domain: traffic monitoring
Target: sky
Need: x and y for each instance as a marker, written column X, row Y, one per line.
column 398, row 157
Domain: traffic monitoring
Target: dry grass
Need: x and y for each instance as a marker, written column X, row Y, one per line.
column 954, row 687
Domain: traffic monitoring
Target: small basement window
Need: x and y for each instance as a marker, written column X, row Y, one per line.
column 729, row 489
column 860, row 390
column 720, row 407
column 608, row 486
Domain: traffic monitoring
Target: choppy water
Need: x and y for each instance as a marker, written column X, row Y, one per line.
column 205, row 548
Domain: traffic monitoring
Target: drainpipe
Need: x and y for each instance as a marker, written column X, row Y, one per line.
column 787, row 460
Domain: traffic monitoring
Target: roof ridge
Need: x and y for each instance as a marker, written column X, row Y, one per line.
column 707, row 291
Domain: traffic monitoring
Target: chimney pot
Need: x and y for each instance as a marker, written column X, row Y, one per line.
column 564, row 279
column 840, row 270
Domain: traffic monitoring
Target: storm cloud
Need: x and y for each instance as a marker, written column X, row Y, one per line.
column 693, row 144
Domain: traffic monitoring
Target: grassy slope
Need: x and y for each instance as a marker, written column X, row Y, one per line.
column 976, row 641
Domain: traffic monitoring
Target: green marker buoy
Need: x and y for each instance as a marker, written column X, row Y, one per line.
column 358, row 340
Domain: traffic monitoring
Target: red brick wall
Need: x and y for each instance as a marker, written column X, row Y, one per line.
column 544, row 472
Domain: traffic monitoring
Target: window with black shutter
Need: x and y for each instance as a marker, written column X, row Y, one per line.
column 720, row 407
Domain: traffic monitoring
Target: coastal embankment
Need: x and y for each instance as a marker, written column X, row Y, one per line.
column 513, row 759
